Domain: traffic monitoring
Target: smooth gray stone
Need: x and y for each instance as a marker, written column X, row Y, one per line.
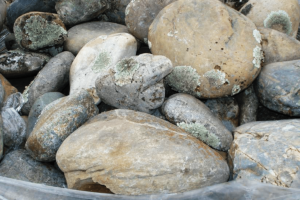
column 20, row 165
column 54, row 77
column 195, row 117
column 38, row 107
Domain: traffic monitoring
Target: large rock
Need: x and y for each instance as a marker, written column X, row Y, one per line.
column 195, row 118
column 100, row 54
column 116, row 11
column 80, row 35
column 283, row 16
column 278, row 85
column 135, row 83
column 54, row 77
column 2, row 13
column 20, row 165
column 57, row 121
column 134, row 153
column 215, row 49
column 268, row 152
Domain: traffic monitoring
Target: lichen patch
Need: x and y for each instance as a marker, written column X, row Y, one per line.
column 216, row 78
column 125, row 70
column 280, row 21
column 101, row 62
column 258, row 57
column 257, row 36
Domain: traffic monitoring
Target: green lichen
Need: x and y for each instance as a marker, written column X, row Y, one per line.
column 201, row 133
column 185, row 79
column 216, row 78
column 18, row 34
column 258, row 57
column 279, row 20
column 125, row 70
column 101, row 62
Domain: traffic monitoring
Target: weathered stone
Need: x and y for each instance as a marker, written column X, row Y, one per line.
column 57, row 121
column 76, row 11
column 194, row 117
column 19, row 165
column 104, row 52
column 38, row 107
column 31, row 36
column 278, row 46
column 54, row 77
column 278, row 85
column 135, row 83
column 8, row 88
column 228, row 59
column 134, row 153
column 268, row 152
column 283, row 16
column 2, row 13
column 116, row 11
column 141, row 13
column 18, row 63
column 225, row 109
column 81, row 34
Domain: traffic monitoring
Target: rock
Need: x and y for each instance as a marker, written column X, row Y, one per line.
column 19, row 165
column 141, row 13
column 276, row 14
column 278, row 85
column 226, row 62
column 135, row 83
column 54, row 77
column 1, row 139
column 267, row 152
column 8, row 88
column 2, row 95
column 81, row 34
column 194, row 117
column 225, row 109
column 76, row 11
column 38, row 107
column 116, row 11
column 104, row 52
column 2, row 13
column 138, row 154
column 49, row 39
column 20, row 7
column 278, row 46
column 248, row 104
column 57, row 121
column 18, row 63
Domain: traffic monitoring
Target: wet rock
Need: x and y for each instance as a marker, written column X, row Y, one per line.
column 228, row 41
column 57, row 121
column 267, row 152
column 277, row 87
column 19, row 165
column 54, row 77
column 275, row 14
column 8, row 88
column 278, row 46
column 38, row 107
column 194, row 117
column 141, row 13
column 116, row 12
column 135, row 83
column 81, row 34
column 76, row 11
column 31, row 36
column 2, row 13
column 225, row 109
column 102, row 53
column 138, row 154
column 18, row 63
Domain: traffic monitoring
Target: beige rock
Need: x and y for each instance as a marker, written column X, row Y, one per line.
column 283, row 16
column 134, row 153
column 8, row 88
column 216, row 50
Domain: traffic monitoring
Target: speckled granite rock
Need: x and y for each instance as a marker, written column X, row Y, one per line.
column 268, row 152
column 20, row 165
column 195, row 117
column 57, row 121
column 116, row 12
column 134, row 153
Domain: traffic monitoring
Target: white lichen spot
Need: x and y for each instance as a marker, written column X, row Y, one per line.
column 125, row 69
column 171, row 33
column 149, row 44
column 257, row 36
column 279, row 20
column 26, row 92
column 258, row 56
column 235, row 90
column 103, row 37
column 101, row 62
column 216, row 77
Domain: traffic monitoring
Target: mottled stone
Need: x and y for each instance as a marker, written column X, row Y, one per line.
column 18, row 63
column 20, row 165
column 38, row 107
column 135, row 83
column 277, row 87
column 134, row 153
column 227, row 57
column 225, row 109
column 81, row 34
column 57, row 121
column 268, row 152
column 8, row 88
column 193, row 116
column 54, row 77
column 116, row 11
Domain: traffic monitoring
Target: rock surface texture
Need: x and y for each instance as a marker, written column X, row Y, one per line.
column 2, row 13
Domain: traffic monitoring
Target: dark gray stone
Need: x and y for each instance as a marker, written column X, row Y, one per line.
column 115, row 12
column 2, row 13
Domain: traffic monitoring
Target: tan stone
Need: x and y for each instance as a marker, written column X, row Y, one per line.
column 8, row 88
